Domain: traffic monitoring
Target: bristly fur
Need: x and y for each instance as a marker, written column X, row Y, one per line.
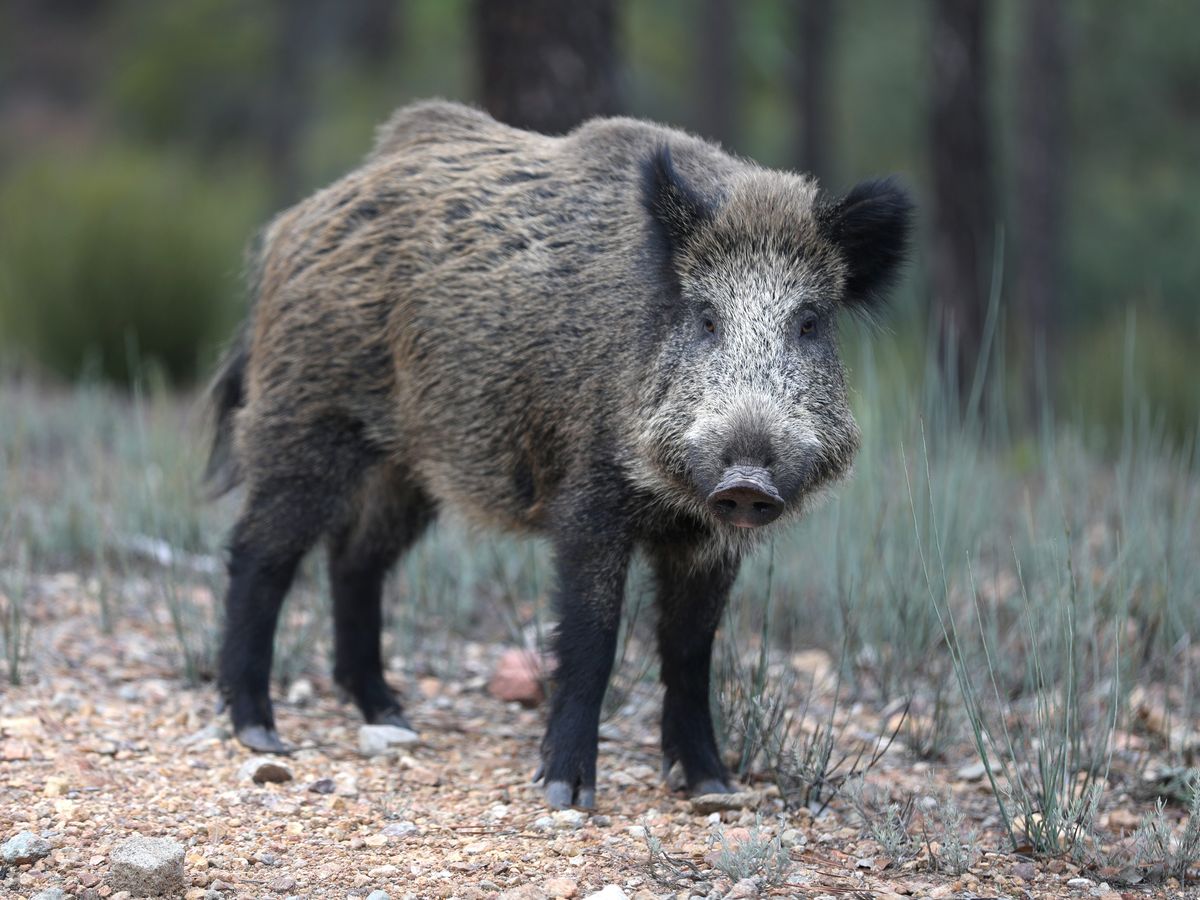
column 475, row 319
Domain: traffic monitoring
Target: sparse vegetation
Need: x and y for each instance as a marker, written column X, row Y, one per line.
column 756, row 855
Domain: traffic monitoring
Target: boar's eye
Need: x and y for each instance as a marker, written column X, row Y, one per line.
column 708, row 323
column 710, row 326
column 808, row 325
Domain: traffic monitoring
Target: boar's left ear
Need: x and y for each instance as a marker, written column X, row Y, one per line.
column 676, row 210
column 871, row 226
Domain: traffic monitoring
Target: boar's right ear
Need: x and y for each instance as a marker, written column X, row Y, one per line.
column 871, row 225
column 676, row 210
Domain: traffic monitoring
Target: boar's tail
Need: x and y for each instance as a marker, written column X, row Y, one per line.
column 226, row 394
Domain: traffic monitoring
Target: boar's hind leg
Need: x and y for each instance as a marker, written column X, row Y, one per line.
column 691, row 595
column 297, row 477
column 392, row 515
column 591, row 560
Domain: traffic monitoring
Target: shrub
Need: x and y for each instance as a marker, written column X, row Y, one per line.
column 118, row 258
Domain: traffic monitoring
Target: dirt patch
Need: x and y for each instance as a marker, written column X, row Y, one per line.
column 106, row 742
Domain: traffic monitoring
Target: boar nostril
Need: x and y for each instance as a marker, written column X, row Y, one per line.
column 746, row 497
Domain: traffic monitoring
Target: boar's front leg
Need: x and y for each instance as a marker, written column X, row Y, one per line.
column 592, row 559
column 691, row 595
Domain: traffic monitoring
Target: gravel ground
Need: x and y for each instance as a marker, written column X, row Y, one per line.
column 106, row 742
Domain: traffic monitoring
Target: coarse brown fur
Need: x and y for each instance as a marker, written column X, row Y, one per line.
column 500, row 323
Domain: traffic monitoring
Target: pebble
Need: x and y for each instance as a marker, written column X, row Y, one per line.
column 399, row 829
column 322, row 786
column 214, row 731
column 261, row 769
column 746, row 889
column 561, row 887
column 609, row 892
column 376, row 739
column 792, row 838
column 283, row 884
column 971, row 772
column 711, row 803
column 378, row 895
column 25, row 847
column 301, row 692
column 517, row 678
column 568, row 819
column 50, row 894
column 1080, row 883
column 1025, row 871
column 147, row 867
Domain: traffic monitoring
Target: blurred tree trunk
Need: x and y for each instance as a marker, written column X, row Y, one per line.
column 813, row 22
column 964, row 213
column 716, row 72
column 298, row 39
column 1040, row 172
column 546, row 64
column 371, row 29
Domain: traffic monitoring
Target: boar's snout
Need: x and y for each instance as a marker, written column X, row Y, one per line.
column 746, row 497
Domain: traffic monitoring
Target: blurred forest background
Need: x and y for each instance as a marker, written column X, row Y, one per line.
column 1053, row 146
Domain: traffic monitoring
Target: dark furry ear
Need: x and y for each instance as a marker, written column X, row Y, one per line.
column 872, row 225
column 675, row 208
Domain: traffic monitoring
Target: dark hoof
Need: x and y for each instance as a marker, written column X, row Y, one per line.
column 711, row 786
column 558, row 794
column 392, row 716
column 261, row 739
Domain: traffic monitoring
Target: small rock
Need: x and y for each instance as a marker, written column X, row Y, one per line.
column 1081, row 884
column 971, row 772
column 792, row 838
column 378, row 895
column 322, row 786
column 561, row 887
column 283, row 884
column 56, row 786
column 518, row 677
column 1025, row 871
column 609, row 892
column 399, row 829
column 345, row 785
column 25, row 847
column 745, row 889
column 261, row 769
column 213, row 731
column 524, row 892
column 376, row 739
column 568, row 819
column 711, row 803
column 147, row 867
column 301, row 692
column 50, row 894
